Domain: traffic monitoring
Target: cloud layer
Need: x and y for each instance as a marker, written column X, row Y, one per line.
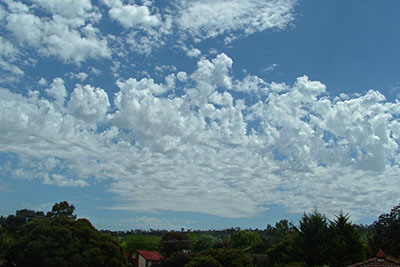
column 200, row 140
column 210, row 149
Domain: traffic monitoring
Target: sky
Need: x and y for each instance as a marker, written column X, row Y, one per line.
column 201, row 114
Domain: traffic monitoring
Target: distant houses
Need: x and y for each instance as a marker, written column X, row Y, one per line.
column 144, row 258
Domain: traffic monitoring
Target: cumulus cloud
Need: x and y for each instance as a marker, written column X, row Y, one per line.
column 74, row 31
column 133, row 15
column 57, row 91
column 88, row 103
column 64, row 35
column 196, row 141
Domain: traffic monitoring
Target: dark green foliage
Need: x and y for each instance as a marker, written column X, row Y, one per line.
column 345, row 245
column 312, row 239
column 174, row 241
column 284, row 252
column 276, row 234
column 317, row 242
column 13, row 222
column 178, row 259
column 246, row 239
column 203, row 261
column 228, row 257
column 62, row 209
column 144, row 242
column 386, row 233
column 63, row 242
column 201, row 242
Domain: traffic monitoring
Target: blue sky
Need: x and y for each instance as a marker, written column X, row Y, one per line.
column 200, row 114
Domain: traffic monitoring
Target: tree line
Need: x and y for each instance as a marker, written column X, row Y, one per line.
column 58, row 238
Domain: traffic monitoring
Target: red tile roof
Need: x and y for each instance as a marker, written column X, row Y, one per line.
column 379, row 261
column 381, row 254
column 150, row 255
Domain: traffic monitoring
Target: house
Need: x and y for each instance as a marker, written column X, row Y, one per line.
column 380, row 260
column 144, row 258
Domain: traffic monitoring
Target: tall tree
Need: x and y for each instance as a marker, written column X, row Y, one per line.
column 386, row 233
column 13, row 222
column 174, row 241
column 62, row 209
column 63, row 242
column 345, row 243
column 313, row 239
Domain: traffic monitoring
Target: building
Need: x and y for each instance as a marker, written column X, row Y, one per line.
column 380, row 260
column 144, row 258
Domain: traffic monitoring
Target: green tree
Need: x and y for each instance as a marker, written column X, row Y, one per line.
column 13, row 222
column 62, row 209
column 246, row 239
column 345, row 243
column 63, row 242
column 178, row 259
column 386, row 233
column 203, row 261
column 276, row 234
column 143, row 242
column 174, row 241
column 228, row 257
column 284, row 252
column 201, row 242
column 313, row 239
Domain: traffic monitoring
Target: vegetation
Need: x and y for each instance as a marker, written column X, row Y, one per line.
column 144, row 242
column 203, row 261
column 58, row 238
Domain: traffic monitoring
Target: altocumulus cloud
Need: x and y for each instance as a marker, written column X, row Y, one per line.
column 207, row 150
column 202, row 141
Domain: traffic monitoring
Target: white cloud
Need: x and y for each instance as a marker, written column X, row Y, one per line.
column 67, row 8
column 82, row 76
column 42, row 82
column 61, row 180
column 206, row 150
column 57, row 91
column 215, row 72
column 65, row 37
column 194, row 52
column 181, row 76
column 3, row 13
column 145, row 223
column 133, row 15
column 205, row 19
column 88, row 103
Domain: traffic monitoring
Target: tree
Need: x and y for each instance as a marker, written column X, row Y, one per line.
column 174, row 241
column 144, row 242
column 63, row 242
column 203, row 261
column 386, row 233
column 228, row 257
column 284, row 252
column 246, row 239
column 346, row 247
column 178, row 259
column 313, row 239
column 201, row 242
column 276, row 234
column 62, row 209
column 13, row 222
